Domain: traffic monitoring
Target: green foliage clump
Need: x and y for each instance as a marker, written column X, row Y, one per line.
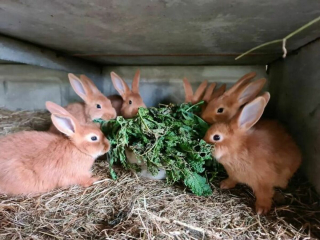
column 168, row 137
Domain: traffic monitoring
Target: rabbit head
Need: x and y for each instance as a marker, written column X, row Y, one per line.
column 132, row 100
column 96, row 104
column 226, row 134
column 87, row 138
column 226, row 106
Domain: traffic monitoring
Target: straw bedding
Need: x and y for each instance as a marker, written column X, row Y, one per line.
column 133, row 208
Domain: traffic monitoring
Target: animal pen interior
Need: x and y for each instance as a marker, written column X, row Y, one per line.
column 41, row 42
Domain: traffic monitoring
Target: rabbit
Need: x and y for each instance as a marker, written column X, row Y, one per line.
column 116, row 102
column 224, row 107
column 144, row 169
column 95, row 105
column 198, row 95
column 211, row 94
column 218, row 92
column 131, row 99
column 202, row 93
column 260, row 154
column 36, row 162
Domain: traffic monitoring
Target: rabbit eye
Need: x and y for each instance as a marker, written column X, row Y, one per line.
column 99, row 106
column 216, row 137
column 94, row 138
column 130, row 102
column 220, row 110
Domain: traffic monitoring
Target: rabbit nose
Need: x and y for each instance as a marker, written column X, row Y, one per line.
column 206, row 138
column 109, row 116
column 203, row 115
column 114, row 114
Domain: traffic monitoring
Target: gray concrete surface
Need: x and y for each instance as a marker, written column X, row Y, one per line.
column 19, row 52
column 183, row 32
column 295, row 98
column 24, row 87
column 164, row 84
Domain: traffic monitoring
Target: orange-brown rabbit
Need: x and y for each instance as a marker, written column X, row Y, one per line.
column 260, row 154
column 201, row 94
column 218, row 92
column 224, row 107
column 130, row 100
column 35, row 162
column 198, row 95
column 95, row 104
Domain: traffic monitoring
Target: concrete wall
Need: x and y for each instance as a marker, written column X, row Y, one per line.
column 164, row 84
column 24, row 87
column 295, row 98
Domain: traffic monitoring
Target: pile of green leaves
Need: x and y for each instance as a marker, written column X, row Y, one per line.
column 167, row 137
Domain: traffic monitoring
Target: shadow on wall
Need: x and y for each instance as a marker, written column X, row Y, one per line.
column 295, row 86
column 165, row 85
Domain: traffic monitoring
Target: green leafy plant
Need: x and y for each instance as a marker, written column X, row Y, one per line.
column 168, row 137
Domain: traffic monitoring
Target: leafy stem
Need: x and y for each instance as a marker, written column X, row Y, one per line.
column 144, row 123
column 164, row 137
column 156, row 141
column 197, row 104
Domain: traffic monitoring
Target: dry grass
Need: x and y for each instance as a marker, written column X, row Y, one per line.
column 133, row 208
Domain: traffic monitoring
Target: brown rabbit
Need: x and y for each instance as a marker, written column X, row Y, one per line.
column 218, row 92
column 116, row 100
column 242, row 81
column 131, row 99
column 260, row 154
column 198, row 95
column 224, row 107
column 211, row 94
column 35, row 162
column 201, row 94
column 95, row 105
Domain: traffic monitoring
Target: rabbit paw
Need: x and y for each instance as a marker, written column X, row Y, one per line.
column 89, row 181
column 228, row 183
column 95, row 179
column 262, row 208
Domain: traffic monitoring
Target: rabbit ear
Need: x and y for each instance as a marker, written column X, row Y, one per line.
column 200, row 92
column 219, row 91
column 208, row 93
column 243, row 80
column 62, row 119
column 80, row 87
column 90, row 83
column 64, row 124
column 55, row 108
column 266, row 96
column 119, row 84
column 188, row 90
column 135, row 82
column 250, row 91
column 251, row 113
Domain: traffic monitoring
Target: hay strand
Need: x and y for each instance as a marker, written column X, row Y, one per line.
column 134, row 208
column 283, row 40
